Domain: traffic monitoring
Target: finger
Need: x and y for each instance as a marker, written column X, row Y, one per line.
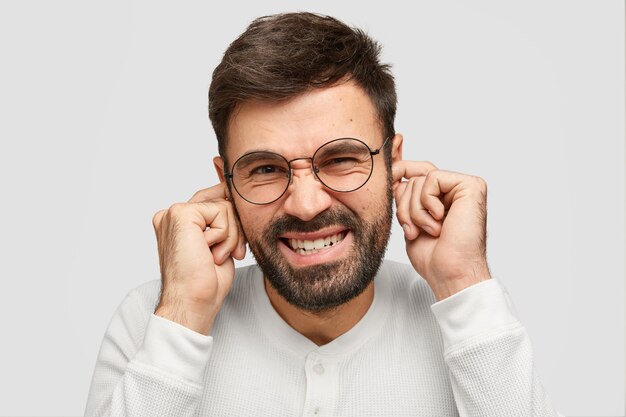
column 240, row 252
column 156, row 224
column 217, row 192
column 156, row 219
column 403, row 202
column 223, row 250
column 220, row 192
column 240, row 249
column 447, row 186
column 181, row 217
column 432, row 195
column 420, row 216
column 409, row 169
column 211, row 218
column 400, row 189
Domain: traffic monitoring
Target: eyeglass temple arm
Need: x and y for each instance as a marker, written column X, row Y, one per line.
column 377, row 151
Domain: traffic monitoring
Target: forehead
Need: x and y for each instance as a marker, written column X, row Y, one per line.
column 298, row 126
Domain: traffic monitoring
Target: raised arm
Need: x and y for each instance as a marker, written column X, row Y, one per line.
column 152, row 361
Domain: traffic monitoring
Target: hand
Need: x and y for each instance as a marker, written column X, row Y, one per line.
column 444, row 217
column 197, row 242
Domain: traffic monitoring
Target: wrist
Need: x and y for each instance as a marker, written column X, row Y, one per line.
column 477, row 311
column 445, row 288
column 175, row 349
column 199, row 320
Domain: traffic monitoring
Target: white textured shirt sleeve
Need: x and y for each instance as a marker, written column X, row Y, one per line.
column 489, row 355
column 147, row 366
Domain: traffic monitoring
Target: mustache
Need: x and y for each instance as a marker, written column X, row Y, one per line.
column 327, row 218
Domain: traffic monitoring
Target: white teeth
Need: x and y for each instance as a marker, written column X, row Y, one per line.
column 308, row 247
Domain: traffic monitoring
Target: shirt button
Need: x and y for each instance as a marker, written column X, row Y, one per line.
column 319, row 369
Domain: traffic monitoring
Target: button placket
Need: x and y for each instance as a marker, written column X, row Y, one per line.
column 322, row 386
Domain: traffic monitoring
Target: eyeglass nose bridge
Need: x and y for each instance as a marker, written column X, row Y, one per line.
column 314, row 169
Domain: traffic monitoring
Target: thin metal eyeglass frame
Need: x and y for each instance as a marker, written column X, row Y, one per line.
column 314, row 169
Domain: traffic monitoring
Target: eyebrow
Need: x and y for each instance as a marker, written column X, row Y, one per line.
column 345, row 146
column 259, row 150
column 255, row 156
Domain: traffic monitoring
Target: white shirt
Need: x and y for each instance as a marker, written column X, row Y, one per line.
column 467, row 355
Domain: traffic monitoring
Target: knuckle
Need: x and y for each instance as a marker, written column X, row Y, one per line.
column 220, row 232
column 156, row 219
column 415, row 181
column 480, row 181
column 215, row 204
column 430, row 175
column 225, row 205
column 176, row 209
column 481, row 185
column 221, row 207
column 402, row 214
column 431, row 166
column 419, row 216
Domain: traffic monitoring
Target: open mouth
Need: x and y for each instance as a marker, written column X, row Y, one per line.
column 309, row 247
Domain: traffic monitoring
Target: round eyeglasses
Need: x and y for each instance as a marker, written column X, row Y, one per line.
column 343, row 165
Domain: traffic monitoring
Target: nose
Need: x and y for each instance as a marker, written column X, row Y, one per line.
column 306, row 195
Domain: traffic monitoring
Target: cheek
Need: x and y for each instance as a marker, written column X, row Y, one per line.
column 366, row 202
column 373, row 196
column 253, row 218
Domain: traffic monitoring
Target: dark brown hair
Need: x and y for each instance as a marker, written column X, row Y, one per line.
column 281, row 56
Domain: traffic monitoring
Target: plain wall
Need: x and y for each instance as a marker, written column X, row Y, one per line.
column 104, row 122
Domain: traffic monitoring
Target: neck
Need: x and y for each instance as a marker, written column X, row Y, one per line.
column 322, row 328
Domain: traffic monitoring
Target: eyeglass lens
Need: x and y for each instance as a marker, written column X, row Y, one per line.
column 341, row 165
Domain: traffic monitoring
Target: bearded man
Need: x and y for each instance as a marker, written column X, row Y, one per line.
column 310, row 166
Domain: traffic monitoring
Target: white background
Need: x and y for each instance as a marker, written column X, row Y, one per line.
column 104, row 122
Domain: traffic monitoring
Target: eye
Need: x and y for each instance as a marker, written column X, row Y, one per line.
column 259, row 169
column 266, row 172
column 266, row 169
column 341, row 160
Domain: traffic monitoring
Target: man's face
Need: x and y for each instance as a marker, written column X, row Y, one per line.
column 354, row 226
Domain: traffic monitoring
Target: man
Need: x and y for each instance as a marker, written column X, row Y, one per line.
column 309, row 168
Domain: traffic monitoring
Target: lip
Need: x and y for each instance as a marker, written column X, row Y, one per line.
column 322, row 233
column 326, row 255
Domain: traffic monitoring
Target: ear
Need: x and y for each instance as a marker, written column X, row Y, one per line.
column 218, row 162
column 396, row 148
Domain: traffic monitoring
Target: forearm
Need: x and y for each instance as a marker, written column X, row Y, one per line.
column 158, row 372
column 144, row 390
column 489, row 355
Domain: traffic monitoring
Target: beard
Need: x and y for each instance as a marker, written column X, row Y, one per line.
column 320, row 288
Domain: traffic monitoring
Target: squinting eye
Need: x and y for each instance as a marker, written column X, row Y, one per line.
column 266, row 170
column 344, row 161
column 341, row 160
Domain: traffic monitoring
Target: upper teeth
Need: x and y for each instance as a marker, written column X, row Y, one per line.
column 315, row 244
